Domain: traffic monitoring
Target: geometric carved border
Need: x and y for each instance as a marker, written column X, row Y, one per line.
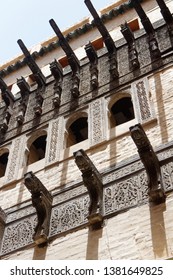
column 142, row 102
column 97, row 122
column 54, row 141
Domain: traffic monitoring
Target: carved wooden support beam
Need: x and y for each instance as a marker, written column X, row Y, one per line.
column 75, row 85
column 153, row 44
column 166, row 14
column 151, row 163
column 38, row 75
column 57, row 72
column 93, row 181
column 3, row 218
column 129, row 37
column 93, row 58
column 72, row 59
column 101, row 27
column 110, row 45
column 6, row 118
column 7, row 96
column 113, row 66
column 42, row 201
column 8, row 99
column 24, row 91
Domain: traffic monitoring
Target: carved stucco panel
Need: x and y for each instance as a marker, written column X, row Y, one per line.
column 54, row 141
column 125, row 193
column 16, row 157
column 69, row 215
column 97, row 121
column 167, row 175
column 142, row 101
column 18, row 235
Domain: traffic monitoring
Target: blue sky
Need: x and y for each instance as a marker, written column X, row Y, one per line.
column 29, row 20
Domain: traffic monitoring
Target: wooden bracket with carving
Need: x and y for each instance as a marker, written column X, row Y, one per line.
column 151, row 163
column 42, row 201
column 93, row 181
column 57, row 72
column 129, row 37
column 92, row 56
column 8, row 99
column 24, row 91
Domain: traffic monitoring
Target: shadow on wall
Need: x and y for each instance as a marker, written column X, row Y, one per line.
column 158, row 233
column 92, row 252
column 161, row 108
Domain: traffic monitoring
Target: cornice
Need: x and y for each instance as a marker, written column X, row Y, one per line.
column 69, row 34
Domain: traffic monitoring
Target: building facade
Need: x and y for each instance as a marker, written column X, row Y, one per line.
column 86, row 142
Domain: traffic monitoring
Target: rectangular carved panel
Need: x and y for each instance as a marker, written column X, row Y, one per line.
column 16, row 156
column 97, row 121
column 54, row 141
column 142, row 101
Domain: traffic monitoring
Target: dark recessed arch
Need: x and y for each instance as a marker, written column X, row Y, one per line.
column 3, row 163
column 122, row 111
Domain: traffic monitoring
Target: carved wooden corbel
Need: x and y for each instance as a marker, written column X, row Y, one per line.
column 24, row 91
column 129, row 37
column 92, row 56
column 93, row 181
column 153, row 44
column 42, row 201
column 39, row 102
column 38, row 76
column 168, row 17
column 8, row 99
column 109, row 43
column 151, row 163
column 57, row 72
column 72, row 59
column 3, row 218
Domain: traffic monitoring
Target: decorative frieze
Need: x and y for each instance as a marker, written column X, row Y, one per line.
column 18, row 235
column 97, row 122
column 124, row 187
column 69, row 215
column 126, row 193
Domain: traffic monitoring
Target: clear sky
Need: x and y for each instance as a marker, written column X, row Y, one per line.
column 29, row 20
